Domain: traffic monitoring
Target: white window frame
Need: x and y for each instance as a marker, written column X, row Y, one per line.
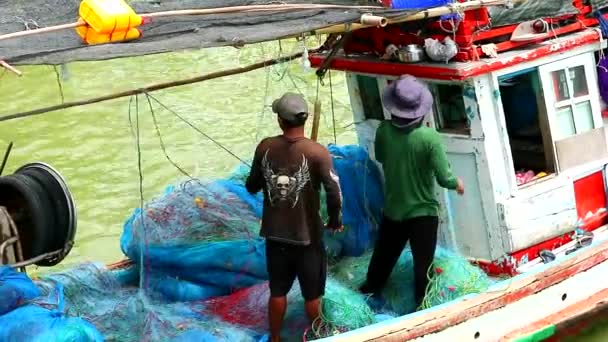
column 552, row 104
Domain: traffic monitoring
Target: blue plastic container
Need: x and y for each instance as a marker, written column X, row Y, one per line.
column 418, row 4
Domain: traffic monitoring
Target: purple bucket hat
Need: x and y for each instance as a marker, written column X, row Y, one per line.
column 408, row 100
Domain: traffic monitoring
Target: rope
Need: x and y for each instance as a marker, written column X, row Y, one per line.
column 59, row 84
column 162, row 143
column 199, row 130
column 333, row 114
column 142, row 278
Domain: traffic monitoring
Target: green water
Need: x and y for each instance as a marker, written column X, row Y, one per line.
column 93, row 147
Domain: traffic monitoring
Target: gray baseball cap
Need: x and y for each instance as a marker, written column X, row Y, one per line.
column 291, row 107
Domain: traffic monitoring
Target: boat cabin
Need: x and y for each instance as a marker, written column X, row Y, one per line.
column 523, row 129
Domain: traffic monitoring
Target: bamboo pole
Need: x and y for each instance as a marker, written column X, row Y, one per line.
column 154, row 87
column 315, row 121
column 41, row 30
column 10, row 68
column 429, row 13
column 233, row 9
column 204, row 11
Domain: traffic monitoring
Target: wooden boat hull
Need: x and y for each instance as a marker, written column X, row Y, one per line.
column 553, row 297
column 547, row 303
column 570, row 322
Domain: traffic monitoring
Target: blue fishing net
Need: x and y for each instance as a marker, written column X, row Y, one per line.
column 15, row 289
column 198, row 272
column 197, row 241
column 121, row 312
column 43, row 319
column 363, row 199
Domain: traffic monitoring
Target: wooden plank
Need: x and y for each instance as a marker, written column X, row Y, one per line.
column 437, row 320
column 540, row 217
column 575, row 150
column 590, row 306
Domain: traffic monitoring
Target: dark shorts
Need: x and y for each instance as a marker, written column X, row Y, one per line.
column 285, row 262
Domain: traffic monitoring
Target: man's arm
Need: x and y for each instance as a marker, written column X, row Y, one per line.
column 379, row 145
column 331, row 184
column 255, row 180
column 441, row 166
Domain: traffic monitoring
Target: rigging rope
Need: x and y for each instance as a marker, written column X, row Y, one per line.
column 141, row 189
column 160, row 138
column 199, row 130
column 333, row 114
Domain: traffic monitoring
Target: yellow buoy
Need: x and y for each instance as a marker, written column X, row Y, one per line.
column 109, row 16
column 92, row 37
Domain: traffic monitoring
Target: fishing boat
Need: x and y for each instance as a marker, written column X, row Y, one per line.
column 518, row 102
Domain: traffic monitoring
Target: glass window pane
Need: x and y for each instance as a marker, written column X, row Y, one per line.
column 450, row 111
column 565, row 123
column 579, row 81
column 560, row 85
column 583, row 117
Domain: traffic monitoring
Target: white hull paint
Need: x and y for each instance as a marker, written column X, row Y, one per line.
column 494, row 325
column 517, row 315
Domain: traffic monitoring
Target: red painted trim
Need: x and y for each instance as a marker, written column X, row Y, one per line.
column 496, row 268
column 438, row 72
column 507, row 266
column 590, row 195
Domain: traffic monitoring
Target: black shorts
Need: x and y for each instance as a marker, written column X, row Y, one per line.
column 285, row 262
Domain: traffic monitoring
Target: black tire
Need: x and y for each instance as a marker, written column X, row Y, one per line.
column 55, row 196
column 21, row 197
column 59, row 224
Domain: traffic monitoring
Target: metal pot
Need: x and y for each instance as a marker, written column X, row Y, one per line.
column 411, row 54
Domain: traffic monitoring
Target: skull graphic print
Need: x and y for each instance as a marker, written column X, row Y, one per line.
column 284, row 187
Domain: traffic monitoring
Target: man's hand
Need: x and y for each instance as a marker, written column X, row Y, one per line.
column 336, row 230
column 335, row 227
column 460, row 187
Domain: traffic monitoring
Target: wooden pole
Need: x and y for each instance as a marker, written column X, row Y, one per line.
column 315, row 121
column 253, row 8
column 41, row 30
column 10, row 68
column 154, row 87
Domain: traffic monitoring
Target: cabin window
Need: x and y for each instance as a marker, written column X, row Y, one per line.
column 370, row 97
column 573, row 111
column 450, row 112
column 527, row 126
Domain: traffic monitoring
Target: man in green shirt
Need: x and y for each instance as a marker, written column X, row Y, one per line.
column 413, row 158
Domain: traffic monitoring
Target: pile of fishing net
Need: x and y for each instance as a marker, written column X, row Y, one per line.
column 92, row 303
column 199, row 272
column 342, row 309
column 27, row 314
column 199, row 239
column 452, row 277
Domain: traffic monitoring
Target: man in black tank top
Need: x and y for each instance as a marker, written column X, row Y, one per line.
column 290, row 170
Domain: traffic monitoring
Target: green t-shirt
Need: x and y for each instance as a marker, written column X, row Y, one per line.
column 412, row 161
